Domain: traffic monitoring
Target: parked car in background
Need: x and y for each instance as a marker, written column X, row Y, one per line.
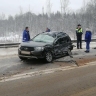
column 46, row 45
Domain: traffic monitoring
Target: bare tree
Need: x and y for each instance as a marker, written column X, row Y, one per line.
column 43, row 10
column 56, row 21
column 64, row 8
column 49, row 7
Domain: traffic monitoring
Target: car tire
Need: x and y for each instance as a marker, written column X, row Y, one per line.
column 48, row 57
column 22, row 58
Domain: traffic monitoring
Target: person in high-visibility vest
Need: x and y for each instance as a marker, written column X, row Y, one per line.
column 79, row 32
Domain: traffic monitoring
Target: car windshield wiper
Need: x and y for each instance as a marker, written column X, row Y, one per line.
column 40, row 41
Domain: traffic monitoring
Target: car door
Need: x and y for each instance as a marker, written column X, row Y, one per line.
column 66, row 44
column 57, row 47
column 63, row 44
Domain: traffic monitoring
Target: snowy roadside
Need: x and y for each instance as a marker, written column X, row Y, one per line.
column 8, row 51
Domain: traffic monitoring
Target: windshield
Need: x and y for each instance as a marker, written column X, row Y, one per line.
column 44, row 38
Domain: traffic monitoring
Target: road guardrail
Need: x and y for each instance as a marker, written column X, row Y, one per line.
column 9, row 45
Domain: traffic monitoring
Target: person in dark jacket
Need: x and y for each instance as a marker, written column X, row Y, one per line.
column 79, row 33
column 88, row 36
column 47, row 30
column 26, row 35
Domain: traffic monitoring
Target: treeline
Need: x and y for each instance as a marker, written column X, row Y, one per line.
column 56, row 21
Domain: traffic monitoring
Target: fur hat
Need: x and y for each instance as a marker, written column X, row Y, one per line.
column 87, row 29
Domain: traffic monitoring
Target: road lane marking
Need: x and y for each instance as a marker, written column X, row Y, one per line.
column 41, row 72
column 36, row 73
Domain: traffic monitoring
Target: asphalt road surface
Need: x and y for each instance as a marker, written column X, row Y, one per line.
column 36, row 78
column 11, row 65
column 73, row 82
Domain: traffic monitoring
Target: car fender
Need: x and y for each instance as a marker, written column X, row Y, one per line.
column 48, row 48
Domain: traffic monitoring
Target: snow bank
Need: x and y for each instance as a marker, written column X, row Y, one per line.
column 11, row 38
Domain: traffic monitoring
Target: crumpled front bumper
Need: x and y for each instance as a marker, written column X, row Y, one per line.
column 33, row 54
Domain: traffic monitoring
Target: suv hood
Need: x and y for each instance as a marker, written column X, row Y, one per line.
column 34, row 44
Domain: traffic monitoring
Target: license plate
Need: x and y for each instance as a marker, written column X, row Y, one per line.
column 25, row 52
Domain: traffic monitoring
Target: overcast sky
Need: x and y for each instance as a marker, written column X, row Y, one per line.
column 12, row 7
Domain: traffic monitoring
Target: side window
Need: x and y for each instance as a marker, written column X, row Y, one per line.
column 68, row 39
column 57, row 42
column 60, row 41
column 63, row 40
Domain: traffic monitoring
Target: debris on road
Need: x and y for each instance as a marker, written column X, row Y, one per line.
column 85, row 60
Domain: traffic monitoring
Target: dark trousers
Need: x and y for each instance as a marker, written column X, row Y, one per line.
column 79, row 42
column 87, row 46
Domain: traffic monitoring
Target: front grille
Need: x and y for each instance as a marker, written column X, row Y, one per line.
column 24, row 48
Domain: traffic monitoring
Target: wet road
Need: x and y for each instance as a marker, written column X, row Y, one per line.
column 11, row 65
column 74, row 82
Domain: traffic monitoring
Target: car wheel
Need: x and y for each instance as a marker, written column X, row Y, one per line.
column 22, row 58
column 48, row 57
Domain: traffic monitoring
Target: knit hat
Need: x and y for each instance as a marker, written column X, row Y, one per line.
column 79, row 24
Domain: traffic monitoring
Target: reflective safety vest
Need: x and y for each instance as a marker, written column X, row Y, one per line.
column 79, row 30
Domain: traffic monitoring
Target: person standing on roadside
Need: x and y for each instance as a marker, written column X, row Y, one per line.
column 88, row 36
column 47, row 30
column 79, row 32
column 26, row 35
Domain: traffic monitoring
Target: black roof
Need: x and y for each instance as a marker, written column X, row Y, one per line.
column 55, row 34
